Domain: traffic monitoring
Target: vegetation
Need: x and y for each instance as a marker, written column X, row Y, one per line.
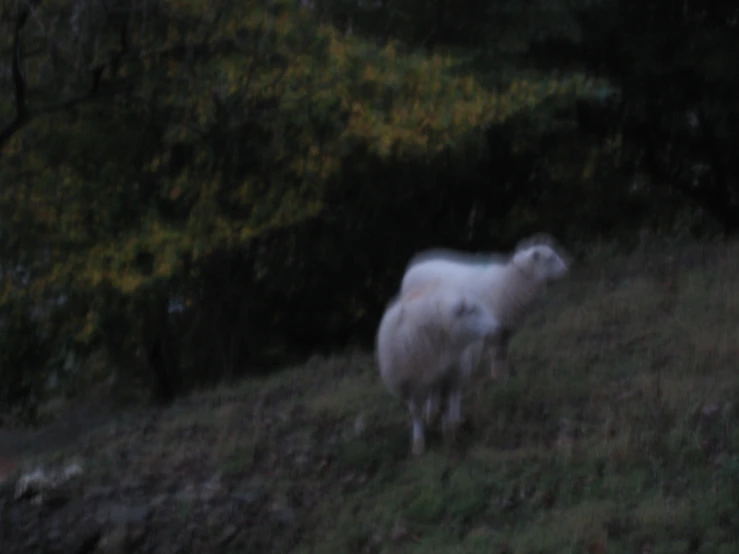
column 192, row 191
column 196, row 194
column 616, row 434
column 153, row 148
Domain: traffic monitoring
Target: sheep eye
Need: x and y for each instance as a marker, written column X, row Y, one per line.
column 461, row 309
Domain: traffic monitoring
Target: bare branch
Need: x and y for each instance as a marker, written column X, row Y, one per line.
column 21, row 111
column 23, row 114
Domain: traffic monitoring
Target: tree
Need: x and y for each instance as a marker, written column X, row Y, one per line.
column 224, row 131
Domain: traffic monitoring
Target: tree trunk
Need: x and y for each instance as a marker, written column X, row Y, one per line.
column 161, row 353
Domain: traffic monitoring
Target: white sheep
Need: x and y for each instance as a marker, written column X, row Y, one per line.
column 422, row 351
column 509, row 288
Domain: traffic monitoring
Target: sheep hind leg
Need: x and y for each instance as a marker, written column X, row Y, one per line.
column 418, row 439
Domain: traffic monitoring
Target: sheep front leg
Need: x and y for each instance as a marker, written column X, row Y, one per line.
column 418, row 440
column 499, row 369
column 453, row 416
column 432, row 407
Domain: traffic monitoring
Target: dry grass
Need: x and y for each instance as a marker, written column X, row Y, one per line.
column 617, row 434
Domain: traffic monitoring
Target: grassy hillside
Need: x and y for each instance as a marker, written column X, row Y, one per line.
column 616, row 434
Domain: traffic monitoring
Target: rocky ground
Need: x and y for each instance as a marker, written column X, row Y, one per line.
column 146, row 482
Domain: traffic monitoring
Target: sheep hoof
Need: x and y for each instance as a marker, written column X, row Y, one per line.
column 418, row 447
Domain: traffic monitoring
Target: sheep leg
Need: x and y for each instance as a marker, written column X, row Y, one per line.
column 453, row 416
column 499, row 368
column 432, row 407
column 418, row 440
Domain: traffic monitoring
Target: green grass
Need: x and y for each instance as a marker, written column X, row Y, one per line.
column 617, row 433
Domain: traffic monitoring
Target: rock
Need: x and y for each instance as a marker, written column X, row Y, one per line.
column 44, row 486
column 70, row 471
column 30, row 484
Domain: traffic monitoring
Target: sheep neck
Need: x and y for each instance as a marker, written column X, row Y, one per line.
column 522, row 290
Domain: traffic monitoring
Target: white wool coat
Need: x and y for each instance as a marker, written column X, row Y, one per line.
column 421, row 343
column 506, row 289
